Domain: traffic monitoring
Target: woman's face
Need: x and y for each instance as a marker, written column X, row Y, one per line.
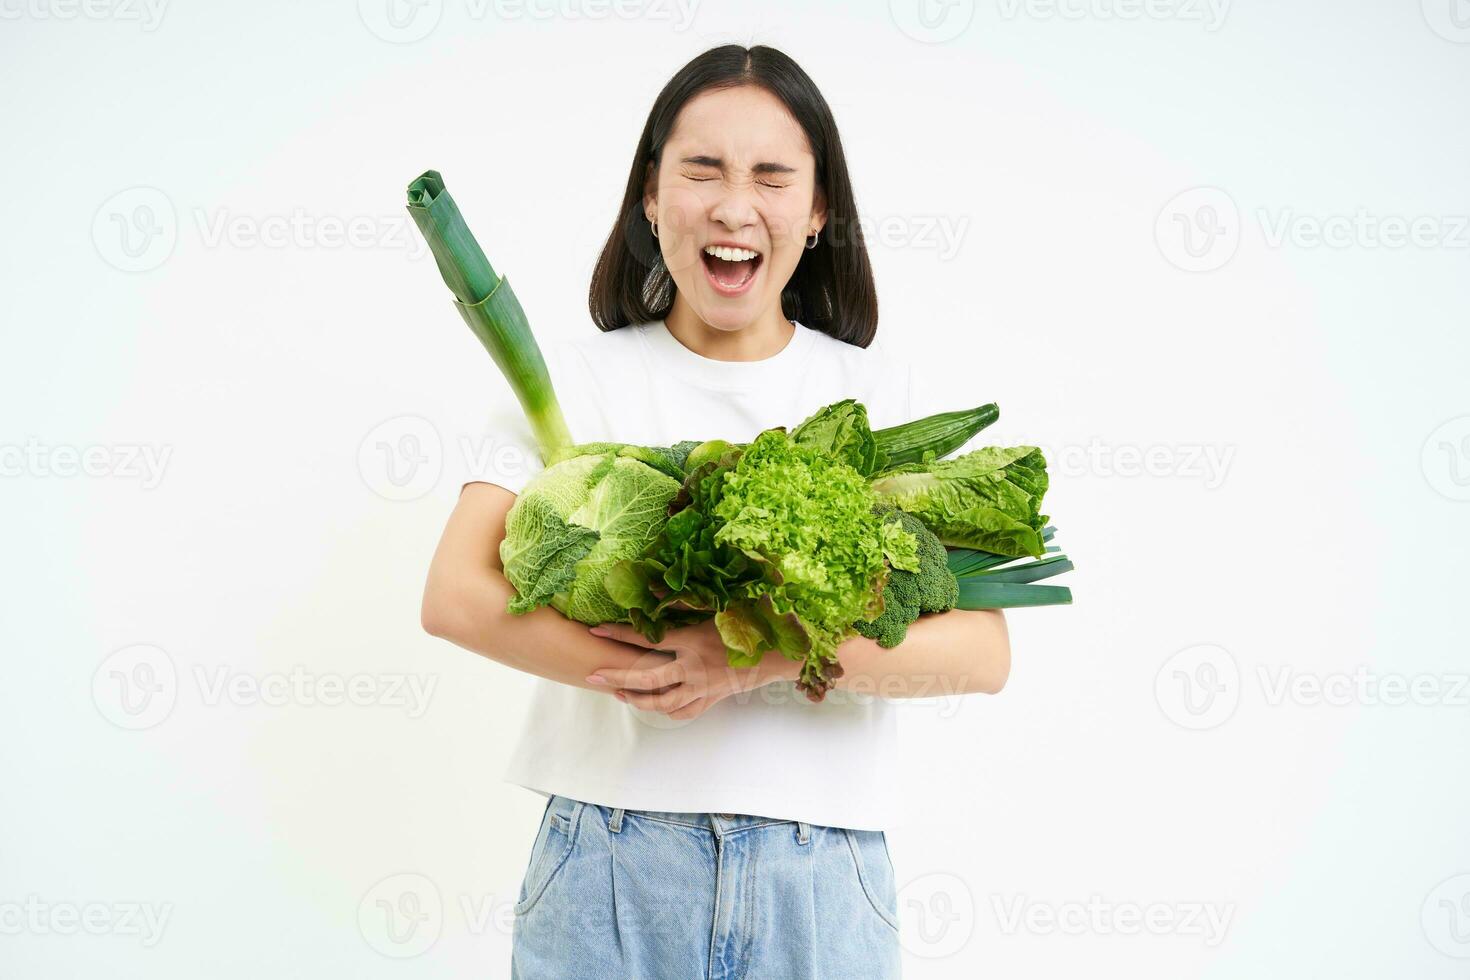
column 736, row 171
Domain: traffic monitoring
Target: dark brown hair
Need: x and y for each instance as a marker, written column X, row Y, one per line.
column 830, row 290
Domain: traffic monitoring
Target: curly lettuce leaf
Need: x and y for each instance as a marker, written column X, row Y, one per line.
column 900, row 546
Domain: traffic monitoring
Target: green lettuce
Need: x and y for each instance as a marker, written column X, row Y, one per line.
column 989, row 499
column 841, row 430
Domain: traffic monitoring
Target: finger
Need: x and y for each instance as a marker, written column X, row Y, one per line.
column 693, row 709
column 641, row 678
column 622, row 632
column 670, row 700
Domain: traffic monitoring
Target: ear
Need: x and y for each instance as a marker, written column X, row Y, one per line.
column 819, row 210
column 650, row 192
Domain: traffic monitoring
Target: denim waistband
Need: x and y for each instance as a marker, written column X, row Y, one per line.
column 720, row 824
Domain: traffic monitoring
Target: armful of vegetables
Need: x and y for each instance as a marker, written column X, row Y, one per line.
column 791, row 542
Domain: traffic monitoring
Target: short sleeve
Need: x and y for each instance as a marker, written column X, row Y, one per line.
column 506, row 452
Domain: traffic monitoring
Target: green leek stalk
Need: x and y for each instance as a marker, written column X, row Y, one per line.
column 991, row 581
column 490, row 308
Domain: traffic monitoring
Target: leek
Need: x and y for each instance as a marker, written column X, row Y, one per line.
column 991, row 581
column 980, row 594
column 489, row 306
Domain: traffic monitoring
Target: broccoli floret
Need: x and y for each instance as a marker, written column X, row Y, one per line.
column 933, row 588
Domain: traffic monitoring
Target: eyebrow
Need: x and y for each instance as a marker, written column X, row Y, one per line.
column 701, row 160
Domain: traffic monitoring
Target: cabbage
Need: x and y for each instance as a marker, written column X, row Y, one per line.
column 573, row 522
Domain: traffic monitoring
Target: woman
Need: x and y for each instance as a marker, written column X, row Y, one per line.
column 705, row 821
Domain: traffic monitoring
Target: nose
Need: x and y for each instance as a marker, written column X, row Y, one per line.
column 735, row 205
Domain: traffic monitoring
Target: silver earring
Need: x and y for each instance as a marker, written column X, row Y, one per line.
column 653, row 228
column 812, row 243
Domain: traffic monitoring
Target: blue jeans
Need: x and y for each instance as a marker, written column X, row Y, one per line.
column 649, row 895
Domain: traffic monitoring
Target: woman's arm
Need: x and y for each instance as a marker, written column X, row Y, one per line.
column 962, row 651
column 465, row 597
column 957, row 652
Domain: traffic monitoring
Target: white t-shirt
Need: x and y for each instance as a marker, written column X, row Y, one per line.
column 769, row 752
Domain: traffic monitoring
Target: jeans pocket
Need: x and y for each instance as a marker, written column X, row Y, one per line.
column 555, row 839
column 874, row 869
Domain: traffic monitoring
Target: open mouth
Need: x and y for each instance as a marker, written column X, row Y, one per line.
column 730, row 270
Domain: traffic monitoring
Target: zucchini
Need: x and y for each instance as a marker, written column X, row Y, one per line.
column 938, row 434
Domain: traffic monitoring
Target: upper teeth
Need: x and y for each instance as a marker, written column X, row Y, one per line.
column 730, row 254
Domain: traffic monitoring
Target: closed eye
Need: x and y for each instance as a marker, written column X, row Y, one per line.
column 761, row 182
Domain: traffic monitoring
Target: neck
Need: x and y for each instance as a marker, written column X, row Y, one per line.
column 764, row 337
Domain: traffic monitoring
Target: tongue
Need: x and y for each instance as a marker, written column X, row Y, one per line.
column 729, row 273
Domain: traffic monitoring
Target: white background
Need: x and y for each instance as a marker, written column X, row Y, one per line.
column 1099, row 213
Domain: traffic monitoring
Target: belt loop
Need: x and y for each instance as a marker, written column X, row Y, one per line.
column 615, row 822
column 803, row 831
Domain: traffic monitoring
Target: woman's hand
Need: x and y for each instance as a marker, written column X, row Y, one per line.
column 688, row 671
